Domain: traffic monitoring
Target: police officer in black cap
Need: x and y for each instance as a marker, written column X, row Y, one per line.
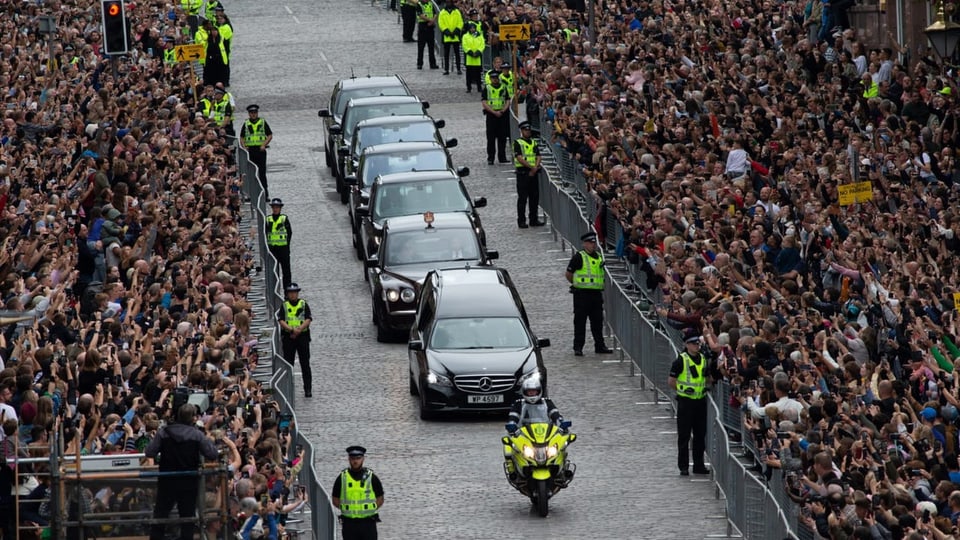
column 585, row 274
column 358, row 493
column 279, row 232
column 295, row 318
column 526, row 161
column 255, row 136
column 690, row 375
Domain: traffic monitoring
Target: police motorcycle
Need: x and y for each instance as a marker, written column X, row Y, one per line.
column 535, row 455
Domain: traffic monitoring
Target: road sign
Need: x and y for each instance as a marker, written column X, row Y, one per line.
column 514, row 32
column 956, row 301
column 188, row 53
column 855, row 193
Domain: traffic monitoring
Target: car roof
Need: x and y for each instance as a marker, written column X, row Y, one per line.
column 476, row 300
column 382, row 100
column 368, row 82
column 416, row 176
column 391, row 120
column 411, row 146
column 441, row 220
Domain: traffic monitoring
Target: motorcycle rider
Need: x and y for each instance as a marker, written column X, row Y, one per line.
column 532, row 392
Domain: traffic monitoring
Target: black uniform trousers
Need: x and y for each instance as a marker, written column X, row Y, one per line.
column 691, row 418
column 408, row 12
column 282, row 255
column 359, row 529
column 528, row 192
column 587, row 304
column 299, row 347
column 498, row 129
column 425, row 38
column 179, row 491
column 474, row 77
column 259, row 158
column 447, row 45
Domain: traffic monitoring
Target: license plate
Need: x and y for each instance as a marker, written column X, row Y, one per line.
column 487, row 398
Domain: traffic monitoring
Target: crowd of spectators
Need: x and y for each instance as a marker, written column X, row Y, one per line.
column 715, row 139
column 123, row 270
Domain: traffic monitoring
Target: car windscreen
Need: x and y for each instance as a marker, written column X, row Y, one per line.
column 430, row 245
column 418, row 197
column 479, row 333
column 416, row 132
column 374, row 165
column 346, row 95
column 359, row 113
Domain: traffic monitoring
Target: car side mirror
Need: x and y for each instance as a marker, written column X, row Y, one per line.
column 343, row 151
column 371, row 262
column 543, row 342
column 350, row 179
column 440, row 123
column 362, row 211
column 426, row 105
column 415, row 345
column 493, row 254
column 324, row 113
column 335, row 129
column 452, row 142
column 479, row 202
column 463, row 172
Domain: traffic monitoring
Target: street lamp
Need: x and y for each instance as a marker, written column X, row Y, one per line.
column 943, row 34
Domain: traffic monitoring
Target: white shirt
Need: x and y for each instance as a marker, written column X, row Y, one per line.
column 737, row 161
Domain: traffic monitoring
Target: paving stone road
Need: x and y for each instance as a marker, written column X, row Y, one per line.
column 443, row 479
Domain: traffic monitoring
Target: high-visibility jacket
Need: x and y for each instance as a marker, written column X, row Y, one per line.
column 505, row 78
column 277, row 231
column 201, row 38
column 871, row 91
column 450, row 22
column 692, row 380
column 568, row 32
column 295, row 314
column 211, row 12
column 357, row 500
column 206, row 104
column 220, row 111
column 473, row 46
column 254, row 133
column 590, row 274
column 168, row 56
column 191, row 7
column 497, row 97
column 226, row 34
column 223, row 52
column 529, row 148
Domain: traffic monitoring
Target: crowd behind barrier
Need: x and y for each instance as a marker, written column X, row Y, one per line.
column 128, row 282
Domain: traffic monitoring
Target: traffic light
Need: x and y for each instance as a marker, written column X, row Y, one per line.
column 114, row 27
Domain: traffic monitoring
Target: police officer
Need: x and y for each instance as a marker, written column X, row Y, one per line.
column 585, row 274
column 192, row 10
column 532, row 391
column 689, row 376
column 526, row 160
column 358, row 493
column 295, row 319
column 450, row 22
column 496, row 106
column 179, row 447
column 408, row 12
column 473, row 46
column 255, row 136
column 426, row 22
column 223, row 111
column 279, row 232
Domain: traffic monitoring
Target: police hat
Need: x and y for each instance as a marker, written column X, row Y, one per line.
column 276, row 201
column 473, row 12
column 221, row 90
column 293, row 287
column 589, row 237
column 356, row 451
column 524, row 125
column 253, row 108
column 494, row 73
column 219, row 8
column 691, row 336
column 504, row 66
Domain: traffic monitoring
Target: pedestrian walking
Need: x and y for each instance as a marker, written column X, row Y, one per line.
column 473, row 46
column 408, row 13
column 496, row 107
column 450, row 21
column 179, row 447
column 585, row 274
column 279, row 232
column 295, row 319
column 255, row 136
column 426, row 22
column 526, row 160
column 689, row 376
column 358, row 493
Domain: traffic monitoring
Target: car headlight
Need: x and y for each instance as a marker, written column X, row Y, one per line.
column 552, row 451
column 528, row 452
column 407, row 295
column 437, row 379
column 392, row 295
column 376, row 240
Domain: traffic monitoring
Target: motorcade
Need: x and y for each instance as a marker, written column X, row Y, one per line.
column 411, row 247
column 471, row 347
column 389, row 129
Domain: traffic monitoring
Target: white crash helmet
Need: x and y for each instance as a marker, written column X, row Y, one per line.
column 532, row 390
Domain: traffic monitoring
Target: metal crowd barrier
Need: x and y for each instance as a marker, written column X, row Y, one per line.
column 753, row 507
column 323, row 521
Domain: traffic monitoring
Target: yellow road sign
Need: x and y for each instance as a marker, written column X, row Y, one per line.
column 188, row 53
column 956, row 301
column 855, row 193
column 514, row 32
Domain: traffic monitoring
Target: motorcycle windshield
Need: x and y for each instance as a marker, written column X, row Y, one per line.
column 534, row 414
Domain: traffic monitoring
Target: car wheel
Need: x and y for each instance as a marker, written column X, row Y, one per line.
column 329, row 155
column 383, row 334
column 413, row 386
column 425, row 412
column 357, row 245
column 338, row 183
column 344, row 195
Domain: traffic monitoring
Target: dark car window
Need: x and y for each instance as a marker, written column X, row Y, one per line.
column 419, row 197
column 480, row 333
column 346, row 95
column 365, row 112
column 436, row 245
column 417, row 132
column 425, row 160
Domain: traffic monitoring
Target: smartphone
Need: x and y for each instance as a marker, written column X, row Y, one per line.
column 263, row 499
